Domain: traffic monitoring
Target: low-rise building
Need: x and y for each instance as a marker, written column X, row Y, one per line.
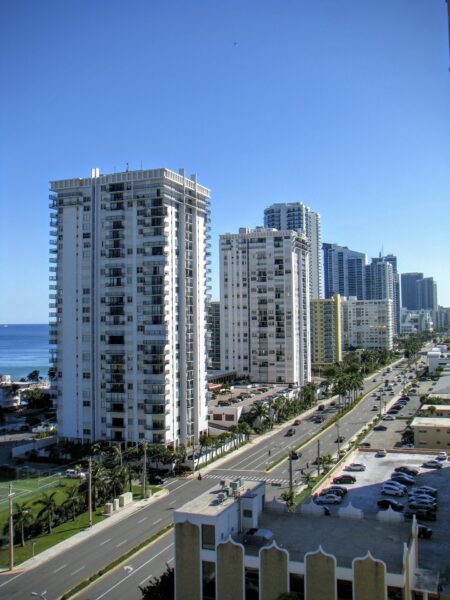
column 436, row 410
column 230, row 545
column 438, row 356
column 415, row 321
column 431, row 432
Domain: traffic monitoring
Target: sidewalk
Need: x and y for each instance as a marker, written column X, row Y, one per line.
column 82, row 535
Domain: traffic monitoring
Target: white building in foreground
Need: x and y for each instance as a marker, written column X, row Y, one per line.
column 367, row 323
column 264, row 305
column 128, row 296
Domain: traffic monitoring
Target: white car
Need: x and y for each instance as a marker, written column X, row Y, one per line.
column 328, row 499
column 355, row 467
column 388, row 490
column 432, row 464
column 442, row 455
column 381, row 453
column 388, row 418
column 394, row 483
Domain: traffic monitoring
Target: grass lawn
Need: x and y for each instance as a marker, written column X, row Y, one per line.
column 60, row 533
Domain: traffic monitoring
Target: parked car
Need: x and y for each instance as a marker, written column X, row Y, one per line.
column 344, row 479
column 424, row 532
column 408, row 470
column 380, row 428
column 290, row 432
column 390, row 490
column 381, row 453
column 425, row 488
column 385, row 503
column 421, row 496
column 328, row 499
column 414, row 504
column 336, row 489
column 388, row 418
column 355, row 467
column 402, row 478
column 432, row 464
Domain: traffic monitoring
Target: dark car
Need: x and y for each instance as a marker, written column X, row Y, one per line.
column 421, row 514
column 424, row 532
column 290, row 432
column 321, row 407
column 408, row 470
column 336, row 489
column 385, row 503
column 402, row 478
column 154, row 479
column 339, row 439
column 295, row 455
column 380, row 428
column 344, row 479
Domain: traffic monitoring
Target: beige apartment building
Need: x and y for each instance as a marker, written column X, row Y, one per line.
column 431, row 432
column 326, row 331
column 232, row 545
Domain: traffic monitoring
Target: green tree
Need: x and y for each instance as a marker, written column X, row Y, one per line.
column 47, row 511
column 33, row 376
column 160, row 588
column 72, row 501
column 259, row 412
column 22, row 517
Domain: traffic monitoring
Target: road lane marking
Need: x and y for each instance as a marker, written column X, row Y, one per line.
column 133, row 572
column 142, row 520
column 145, row 580
column 78, row 570
column 121, row 543
column 105, row 542
column 59, row 568
column 157, row 521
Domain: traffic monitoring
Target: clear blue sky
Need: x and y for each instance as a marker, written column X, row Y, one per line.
column 341, row 104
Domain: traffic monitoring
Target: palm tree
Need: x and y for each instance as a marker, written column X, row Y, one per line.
column 259, row 412
column 72, row 501
column 22, row 517
column 47, row 511
column 117, row 480
column 245, row 429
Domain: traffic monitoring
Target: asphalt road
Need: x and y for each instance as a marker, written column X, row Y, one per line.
column 61, row 573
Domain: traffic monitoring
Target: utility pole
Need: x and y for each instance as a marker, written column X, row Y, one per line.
column 338, row 439
column 318, row 458
column 291, row 487
column 90, row 493
column 11, row 528
column 144, row 473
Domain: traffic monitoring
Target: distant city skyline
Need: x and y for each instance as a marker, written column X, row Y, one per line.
column 341, row 106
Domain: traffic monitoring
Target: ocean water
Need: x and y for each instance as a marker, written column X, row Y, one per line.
column 24, row 348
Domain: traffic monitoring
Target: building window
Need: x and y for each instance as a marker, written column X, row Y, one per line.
column 297, row 585
column 394, row 593
column 247, row 513
column 251, row 584
column 208, row 537
column 344, row 589
column 208, row 580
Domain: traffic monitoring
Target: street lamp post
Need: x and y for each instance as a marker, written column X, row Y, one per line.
column 338, row 439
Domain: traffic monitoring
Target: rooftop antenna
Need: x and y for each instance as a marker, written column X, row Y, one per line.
column 128, row 167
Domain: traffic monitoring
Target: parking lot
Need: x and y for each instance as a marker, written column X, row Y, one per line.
column 365, row 493
column 246, row 395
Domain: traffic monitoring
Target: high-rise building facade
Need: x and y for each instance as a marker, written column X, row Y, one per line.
column 427, row 294
column 392, row 260
column 410, row 298
column 367, row 323
column 326, row 331
column 214, row 335
column 344, row 271
column 129, row 285
column 264, row 305
column 299, row 217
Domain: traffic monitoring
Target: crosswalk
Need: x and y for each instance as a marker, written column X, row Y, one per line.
column 249, row 478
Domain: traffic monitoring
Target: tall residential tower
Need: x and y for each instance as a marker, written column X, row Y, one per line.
column 299, row 217
column 344, row 271
column 264, row 305
column 129, row 289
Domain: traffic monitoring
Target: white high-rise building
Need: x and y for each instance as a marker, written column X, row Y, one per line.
column 367, row 323
column 264, row 305
column 129, row 289
column 299, row 217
